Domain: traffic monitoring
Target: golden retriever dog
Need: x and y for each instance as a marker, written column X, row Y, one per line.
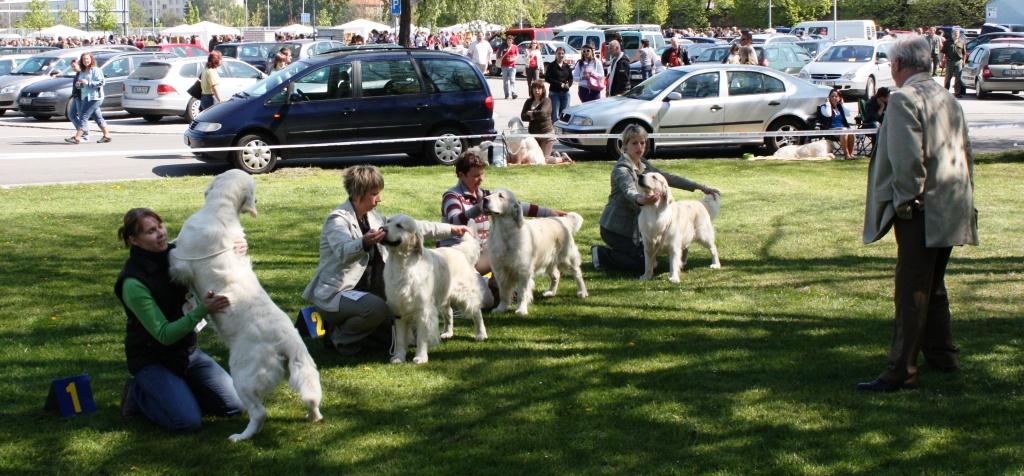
column 522, row 149
column 521, row 248
column 816, row 150
column 422, row 284
column 670, row 226
column 260, row 336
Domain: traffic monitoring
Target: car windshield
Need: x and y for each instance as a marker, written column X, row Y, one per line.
column 150, row 71
column 36, row 66
column 847, row 54
column 647, row 90
column 277, row 78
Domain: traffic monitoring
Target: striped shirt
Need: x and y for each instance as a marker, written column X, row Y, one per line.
column 459, row 207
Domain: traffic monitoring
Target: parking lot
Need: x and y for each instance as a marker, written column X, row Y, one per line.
column 143, row 150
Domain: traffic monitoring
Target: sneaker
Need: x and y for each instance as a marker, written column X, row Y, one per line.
column 128, row 409
column 515, row 96
column 593, row 257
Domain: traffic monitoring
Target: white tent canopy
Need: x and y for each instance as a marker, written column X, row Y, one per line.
column 576, row 25
column 362, row 27
column 474, row 26
column 295, row 29
column 59, row 31
column 204, row 30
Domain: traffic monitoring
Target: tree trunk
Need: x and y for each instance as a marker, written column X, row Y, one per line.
column 405, row 24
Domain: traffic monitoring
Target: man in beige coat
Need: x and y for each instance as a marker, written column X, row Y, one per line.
column 920, row 182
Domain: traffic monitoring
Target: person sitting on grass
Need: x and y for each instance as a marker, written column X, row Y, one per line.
column 537, row 112
column 173, row 383
column 618, row 224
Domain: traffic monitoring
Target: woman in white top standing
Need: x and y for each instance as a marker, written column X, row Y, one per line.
column 534, row 63
column 589, row 74
column 645, row 55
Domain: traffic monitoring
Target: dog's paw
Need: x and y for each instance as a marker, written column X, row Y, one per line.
column 582, row 294
column 548, row 294
column 398, row 360
column 447, row 334
column 645, row 277
column 236, row 438
column 481, row 337
column 522, row 311
column 314, row 416
column 716, row 266
column 673, row 279
column 501, row 308
column 420, row 359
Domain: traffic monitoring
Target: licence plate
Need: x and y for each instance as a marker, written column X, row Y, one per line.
column 186, row 142
column 140, row 89
column 1013, row 72
column 826, row 83
column 24, row 100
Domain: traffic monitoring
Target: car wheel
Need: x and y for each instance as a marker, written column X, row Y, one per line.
column 191, row 110
column 782, row 125
column 255, row 157
column 869, row 88
column 446, row 148
column 152, row 118
column 41, row 118
column 978, row 93
column 614, row 147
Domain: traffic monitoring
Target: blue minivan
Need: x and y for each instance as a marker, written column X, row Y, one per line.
column 378, row 95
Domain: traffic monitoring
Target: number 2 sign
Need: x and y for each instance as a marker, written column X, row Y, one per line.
column 71, row 396
column 314, row 322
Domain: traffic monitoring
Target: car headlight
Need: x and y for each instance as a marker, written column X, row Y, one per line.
column 47, row 94
column 850, row 74
column 8, row 90
column 804, row 75
column 581, row 121
column 207, row 126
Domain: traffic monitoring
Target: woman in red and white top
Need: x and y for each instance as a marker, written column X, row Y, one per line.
column 461, row 205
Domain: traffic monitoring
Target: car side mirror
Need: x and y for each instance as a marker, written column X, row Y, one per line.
column 882, row 61
column 673, row 96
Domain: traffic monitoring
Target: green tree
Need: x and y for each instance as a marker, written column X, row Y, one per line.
column 886, row 13
column 170, row 18
column 535, row 12
column 192, row 16
column 324, row 18
column 966, row 13
column 688, row 14
column 68, row 15
column 138, row 16
column 257, row 17
column 37, row 17
column 103, row 17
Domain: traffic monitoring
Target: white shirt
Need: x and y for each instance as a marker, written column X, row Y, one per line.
column 481, row 52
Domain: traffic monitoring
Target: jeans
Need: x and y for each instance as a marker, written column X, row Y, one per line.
column 953, row 69
column 645, row 73
column 621, row 254
column 559, row 103
column 205, row 101
column 178, row 403
column 587, row 95
column 508, row 80
column 76, row 105
column 89, row 108
column 358, row 326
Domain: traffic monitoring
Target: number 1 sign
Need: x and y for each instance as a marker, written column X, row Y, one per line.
column 71, row 396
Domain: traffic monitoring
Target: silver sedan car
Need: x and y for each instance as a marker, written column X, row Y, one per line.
column 995, row 67
column 700, row 99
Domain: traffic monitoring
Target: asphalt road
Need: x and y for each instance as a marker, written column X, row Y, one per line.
column 54, row 161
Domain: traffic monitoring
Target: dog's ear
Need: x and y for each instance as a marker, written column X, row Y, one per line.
column 249, row 203
column 517, row 212
column 416, row 242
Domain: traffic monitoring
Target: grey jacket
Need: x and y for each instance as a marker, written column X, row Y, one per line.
column 342, row 257
column 621, row 212
column 923, row 154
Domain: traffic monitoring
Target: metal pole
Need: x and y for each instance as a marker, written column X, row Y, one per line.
column 268, row 13
column 245, row 16
column 835, row 18
column 769, row 13
column 152, row 3
column 638, row 13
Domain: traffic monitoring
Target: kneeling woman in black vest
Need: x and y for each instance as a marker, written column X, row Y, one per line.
column 173, row 383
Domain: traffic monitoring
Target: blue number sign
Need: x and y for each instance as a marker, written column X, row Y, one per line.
column 314, row 323
column 71, row 396
column 396, row 7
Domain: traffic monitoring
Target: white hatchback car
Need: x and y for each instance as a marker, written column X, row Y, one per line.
column 855, row 67
column 159, row 88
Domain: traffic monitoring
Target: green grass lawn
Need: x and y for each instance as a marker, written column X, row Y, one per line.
column 747, row 369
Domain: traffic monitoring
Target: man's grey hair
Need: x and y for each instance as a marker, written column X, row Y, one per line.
column 913, row 53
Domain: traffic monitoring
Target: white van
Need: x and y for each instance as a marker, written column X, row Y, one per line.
column 841, row 30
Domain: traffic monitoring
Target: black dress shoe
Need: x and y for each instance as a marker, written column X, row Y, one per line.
column 879, row 385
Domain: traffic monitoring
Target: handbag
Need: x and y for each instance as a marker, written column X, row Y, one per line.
column 533, row 62
column 196, row 91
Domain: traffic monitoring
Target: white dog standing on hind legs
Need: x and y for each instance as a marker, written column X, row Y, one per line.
column 422, row 284
column 668, row 225
column 260, row 336
column 522, row 248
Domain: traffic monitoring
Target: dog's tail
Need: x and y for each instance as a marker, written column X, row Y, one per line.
column 574, row 220
column 469, row 247
column 303, row 376
column 711, row 202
